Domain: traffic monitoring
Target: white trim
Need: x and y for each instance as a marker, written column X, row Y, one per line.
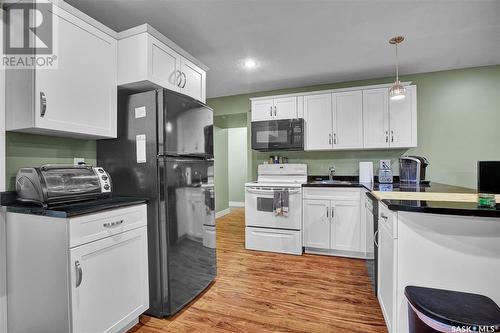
column 3, row 275
column 328, row 91
column 222, row 213
column 236, row 204
column 146, row 28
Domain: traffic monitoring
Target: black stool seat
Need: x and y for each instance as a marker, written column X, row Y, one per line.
column 454, row 308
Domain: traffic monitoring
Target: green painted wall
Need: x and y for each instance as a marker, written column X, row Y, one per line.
column 25, row 150
column 237, row 163
column 458, row 124
column 221, row 169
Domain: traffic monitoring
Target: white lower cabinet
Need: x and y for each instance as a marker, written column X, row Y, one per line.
column 98, row 284
column 332, row 221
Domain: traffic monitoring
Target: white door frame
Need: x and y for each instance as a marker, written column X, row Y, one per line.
column 3, row 287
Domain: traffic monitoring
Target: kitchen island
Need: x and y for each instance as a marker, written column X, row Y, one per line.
column 431, row 236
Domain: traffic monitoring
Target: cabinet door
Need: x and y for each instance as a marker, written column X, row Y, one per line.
column 109, row 282
column 376, row 118
column 194, row 78
column 285, row 108
column 318, row 118
column 164, row 65
column 403, row 120
column 385, row 278
column 316, row 224
column 262, row 109
column 81, row 93
column 346, row 226
column 348, row 120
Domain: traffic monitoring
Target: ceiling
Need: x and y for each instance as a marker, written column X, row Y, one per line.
column 307, row 42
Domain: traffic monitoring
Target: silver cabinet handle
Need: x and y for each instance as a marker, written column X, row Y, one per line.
column 375, row 238
column 386, row 136
column 271, row 110
column 185, row 79
column 392, row 136
column 383, row 216
column 43, row 104
column 326, row 212
column 112, row 224
column 333, row 212
column 335, row 138
column 275, row 110
column 179, row 78
column 330, row 138
column 79, row 273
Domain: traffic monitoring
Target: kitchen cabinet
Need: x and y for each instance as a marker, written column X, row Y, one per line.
column 90, row 266
column 387, row 262
column 274, row 108
column 78, row 97
column 318, row 119
column 333, row 223
column 148, row 60
column 317, row 223
column 348, row 120
column 388, row 123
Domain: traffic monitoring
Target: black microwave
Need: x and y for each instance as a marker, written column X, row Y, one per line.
column 283, row 134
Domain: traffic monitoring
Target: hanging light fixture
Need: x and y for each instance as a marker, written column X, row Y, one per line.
column 397, row 90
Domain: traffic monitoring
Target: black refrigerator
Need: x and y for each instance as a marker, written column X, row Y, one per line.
column 164, row 151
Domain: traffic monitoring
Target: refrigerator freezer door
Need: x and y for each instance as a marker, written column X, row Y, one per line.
column 187, row 215
column 185, row 126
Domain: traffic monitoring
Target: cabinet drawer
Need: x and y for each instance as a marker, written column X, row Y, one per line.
column 273, row 240
column 332, row 193
column 91, row 227
column 388, row 219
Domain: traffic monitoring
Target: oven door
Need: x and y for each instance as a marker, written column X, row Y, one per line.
column 259, row 209
column 285, row 134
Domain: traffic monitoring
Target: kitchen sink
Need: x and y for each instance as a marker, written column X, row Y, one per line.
column 332, row 182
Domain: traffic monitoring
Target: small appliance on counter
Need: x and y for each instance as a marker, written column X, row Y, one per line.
column 58, row 184
column 366, row 172
column 282, row 134
column 412, row 169
column 385, row 172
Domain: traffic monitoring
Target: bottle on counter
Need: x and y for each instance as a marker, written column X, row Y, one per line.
column 486, row 200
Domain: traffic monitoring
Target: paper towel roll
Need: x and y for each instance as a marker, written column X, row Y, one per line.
column 366, row 172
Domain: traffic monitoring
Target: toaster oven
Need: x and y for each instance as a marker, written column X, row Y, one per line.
column 52, row 184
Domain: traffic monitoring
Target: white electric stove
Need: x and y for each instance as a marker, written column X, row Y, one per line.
column 264, row 229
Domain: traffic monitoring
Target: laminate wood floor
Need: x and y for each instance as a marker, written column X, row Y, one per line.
column 270, row 292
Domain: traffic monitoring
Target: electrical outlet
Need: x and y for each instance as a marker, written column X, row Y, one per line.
column 78, row 160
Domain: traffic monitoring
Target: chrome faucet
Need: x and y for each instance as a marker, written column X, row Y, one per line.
column 332, row 172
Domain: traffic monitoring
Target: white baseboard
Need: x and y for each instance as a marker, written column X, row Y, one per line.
column 222, row 213
column 236, row 204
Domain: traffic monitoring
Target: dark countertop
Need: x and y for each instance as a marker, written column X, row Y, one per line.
column 442, row 207
column 8, row 200
column 419, row 206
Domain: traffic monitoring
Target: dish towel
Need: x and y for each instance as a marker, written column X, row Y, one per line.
column 280, row 202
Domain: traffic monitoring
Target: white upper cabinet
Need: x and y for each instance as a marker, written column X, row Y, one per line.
column 403, row 120
column 76, row 99
column 318, row 118
column 376, row 118
column 274, row 108
column 348, row 120
column 149, row 60
column 388, row 123
column 193, row 80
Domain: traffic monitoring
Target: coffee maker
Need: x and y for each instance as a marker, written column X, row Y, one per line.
column 412, row 169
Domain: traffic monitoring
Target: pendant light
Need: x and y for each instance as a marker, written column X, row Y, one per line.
column 397, row 90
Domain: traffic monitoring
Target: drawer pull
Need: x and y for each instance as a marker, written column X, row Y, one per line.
column 79, row 273
column 383, row 216
column 112, row 224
